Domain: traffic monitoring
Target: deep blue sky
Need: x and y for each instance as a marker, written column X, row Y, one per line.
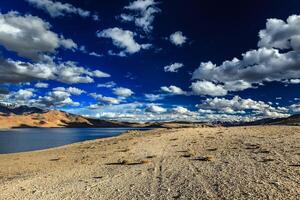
column 216, row 31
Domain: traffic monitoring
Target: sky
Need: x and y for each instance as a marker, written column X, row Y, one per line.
column 152, row 60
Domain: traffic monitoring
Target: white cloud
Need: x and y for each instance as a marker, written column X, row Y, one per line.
column 23, row 95
column 229, row 118
column 82, row 48
column 110, row 84
column 30, row 36
column 154, row 97
column 96, row 17
column 58, row 9
column 230, row 110
column 55, row 98
column 237, row 105
column 20, row 97
column 123, row 92
column 155, row 109
column 140, row 5
column 70, row 90
column 238, row 85
column 295, row 108
column 104, row 99
column 58, row 97
column 173, row 67
column 142, row 13
column 178, row 38
column 208, row 88
column 126, row 18
column 41, row 85
column 173, row 90
column 85, row 51
column 95, row 54
column 205, row 111
column 140, row 112
column 280, row 34
column 99, row 74
column 295, row 81
column 255, row 67
column 67, row 72
column 276, row 59
column 180, row 110
column 123, row 39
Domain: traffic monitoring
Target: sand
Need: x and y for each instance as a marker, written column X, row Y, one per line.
column 260, row 162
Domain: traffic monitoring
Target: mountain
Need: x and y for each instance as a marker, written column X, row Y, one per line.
column 18, row 110
column 293, row 120
column 12, row 116
column 56, row 119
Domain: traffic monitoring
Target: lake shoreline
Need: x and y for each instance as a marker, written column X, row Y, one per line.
column 184, row 163
column 29, row 140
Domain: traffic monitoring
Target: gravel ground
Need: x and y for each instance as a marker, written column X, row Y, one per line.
column 261, row 162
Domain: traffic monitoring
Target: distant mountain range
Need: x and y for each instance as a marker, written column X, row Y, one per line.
column 293, row 120
column 12, row 116
column 18, row 110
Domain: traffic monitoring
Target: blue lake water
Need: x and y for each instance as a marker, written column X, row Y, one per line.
column 29, row 139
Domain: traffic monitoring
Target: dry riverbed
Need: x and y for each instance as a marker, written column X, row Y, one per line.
column 260, row 162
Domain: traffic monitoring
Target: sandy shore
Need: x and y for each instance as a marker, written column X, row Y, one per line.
column 191, row 163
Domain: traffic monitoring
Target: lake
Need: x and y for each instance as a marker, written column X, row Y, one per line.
column 30, row 139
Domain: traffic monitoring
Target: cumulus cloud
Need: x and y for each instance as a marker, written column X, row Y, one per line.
column 295, row 108
column 280, row 34
column 142, row 13
column 52, row 99
column 208, row 88
column 276, row 59
column 23, row 95
column 237, row 105
column 255, row 67
column 138, row 112
column 155, row 109
column 55, row 98
column 104, row 99
column 20, row 97
column 41, row 85
column 123, row 92
column 180, row 110
column 66, row 72
column 30, row 36
column 173, row 67
column 58, row 9
column 238, row 85
column 123, row 39
column 173, row 90
column 210, row 110
column 178, row 38
column 70, row 90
